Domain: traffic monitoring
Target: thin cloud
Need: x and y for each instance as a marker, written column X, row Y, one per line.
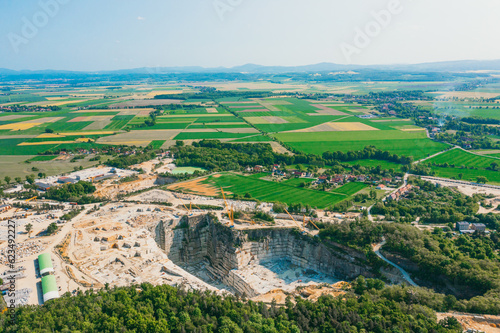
column 140, row 18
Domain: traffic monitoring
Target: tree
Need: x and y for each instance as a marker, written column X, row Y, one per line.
column 373, row 194
column 28, row 227
column 49, row 130
column 18, row 180
column 460, row 175
column 482, row 180
column 7, row 179
column 30, row 179
column 494, row 166
column 52, row 228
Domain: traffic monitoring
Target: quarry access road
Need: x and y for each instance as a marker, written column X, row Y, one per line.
column 406, row 276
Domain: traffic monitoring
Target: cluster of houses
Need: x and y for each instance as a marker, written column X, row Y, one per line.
column 23, row 108
column 400, row 192
column 82, row 151
column 470, row 228
column 336, row 180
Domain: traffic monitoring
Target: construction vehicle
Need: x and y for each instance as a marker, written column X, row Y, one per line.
column 230, row 211
column 30, row 199
column 298, row 225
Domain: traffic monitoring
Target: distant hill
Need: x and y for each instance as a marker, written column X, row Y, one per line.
column 446, row 66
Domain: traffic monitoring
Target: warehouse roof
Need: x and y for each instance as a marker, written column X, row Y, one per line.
column 49, row 288
column 45, row 263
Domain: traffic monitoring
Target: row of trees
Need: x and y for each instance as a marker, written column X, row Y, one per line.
column 167, row 309
column 214, row 155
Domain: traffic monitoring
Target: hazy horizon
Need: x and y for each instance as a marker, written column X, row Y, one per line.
column 114, row 35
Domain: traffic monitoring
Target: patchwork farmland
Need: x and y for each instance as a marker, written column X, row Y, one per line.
column 98, row 116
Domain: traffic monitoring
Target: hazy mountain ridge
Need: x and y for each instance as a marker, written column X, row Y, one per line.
column 445, row 66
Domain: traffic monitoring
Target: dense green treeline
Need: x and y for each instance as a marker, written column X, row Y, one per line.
column 79, row 193
column 168, row 309
column 214, row 155
column 124, row 161
column 466, row 266
column 212, row 93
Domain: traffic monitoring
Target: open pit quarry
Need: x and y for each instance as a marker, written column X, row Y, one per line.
column 155, row 238
column 257, row 261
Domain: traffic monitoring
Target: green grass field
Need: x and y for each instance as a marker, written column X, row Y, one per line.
column 468, row 109
column 43, row 158
column 118, row 122
column 467, row 174
column 350, row 136
column 287, row 192
column 458, row 157
column 156, row 144
column 417, row 148
column 414, row 144
column 254, row 138
column 460, row 163
column 188, row 170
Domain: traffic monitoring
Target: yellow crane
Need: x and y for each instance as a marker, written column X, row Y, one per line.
column 188, row 210
column 196, row 206
column 298, row 225
column 311, row 221
column 230, row 211
column 30, row 199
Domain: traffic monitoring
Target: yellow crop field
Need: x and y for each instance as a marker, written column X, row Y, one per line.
column 24, row 125
column 19, row 126
column 44, row 143
column 338, row 127
column 87, row 133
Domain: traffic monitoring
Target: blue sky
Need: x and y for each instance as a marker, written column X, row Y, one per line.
column 118, row 34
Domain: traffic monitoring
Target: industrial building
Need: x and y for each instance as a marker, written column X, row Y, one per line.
column 49, row 288
column 4, row 208
column 479, row 227
column 45, row 264
column 463, row 226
